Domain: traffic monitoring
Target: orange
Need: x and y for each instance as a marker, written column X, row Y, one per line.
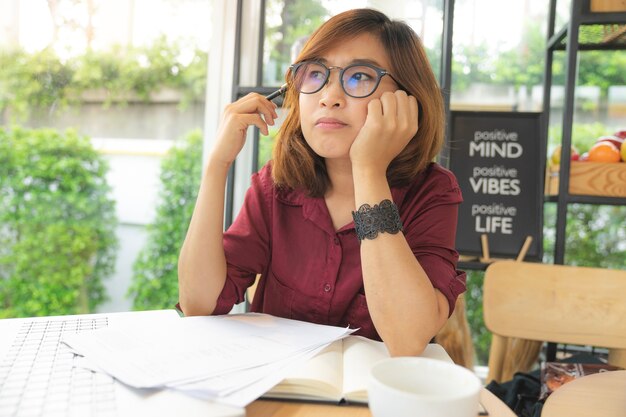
column 604, row 152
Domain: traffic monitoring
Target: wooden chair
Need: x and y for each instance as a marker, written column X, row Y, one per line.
column 455, row 336
column 555, row 303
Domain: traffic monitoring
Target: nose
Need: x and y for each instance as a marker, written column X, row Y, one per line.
column 332, row 94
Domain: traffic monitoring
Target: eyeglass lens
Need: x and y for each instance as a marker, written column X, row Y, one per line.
column 356, row 80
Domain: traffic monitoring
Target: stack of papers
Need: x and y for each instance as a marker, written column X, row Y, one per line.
column 230, row 359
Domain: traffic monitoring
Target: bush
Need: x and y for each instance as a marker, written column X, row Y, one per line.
column 42, row 80
column 474, row 310
column 57, row 223
column 595, row 235
column 155, row 280
column 584, row 135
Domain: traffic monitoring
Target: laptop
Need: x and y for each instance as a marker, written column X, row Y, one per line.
column 38, row 376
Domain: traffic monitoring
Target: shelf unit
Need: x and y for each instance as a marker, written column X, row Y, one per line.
column 586, row 30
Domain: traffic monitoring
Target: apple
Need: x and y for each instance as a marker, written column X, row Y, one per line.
column 555, row 157
column 615, row 140
column 620, row 134
column 623, row 153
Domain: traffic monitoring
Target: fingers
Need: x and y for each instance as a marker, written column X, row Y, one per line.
column 402, row 109
column 374, row 109
column 412, row 114
column 251, row 110
column 391, row 102
column 256, row 120
column 413, row 107
column 254, row 103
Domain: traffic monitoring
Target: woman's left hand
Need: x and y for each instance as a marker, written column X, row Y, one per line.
column 390, row 124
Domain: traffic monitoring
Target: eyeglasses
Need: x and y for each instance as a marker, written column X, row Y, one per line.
column 357, row 80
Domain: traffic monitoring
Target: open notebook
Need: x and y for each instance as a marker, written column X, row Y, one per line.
column 38, row 377
column 340, row 372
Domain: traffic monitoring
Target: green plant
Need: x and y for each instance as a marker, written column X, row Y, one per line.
column 57, row 222
column 38, row 80
column 42, row 80
column 155, row 280
column 595, row 235
column 294, row 21
column 584, row 135
column 266, row 144
column 474, row 311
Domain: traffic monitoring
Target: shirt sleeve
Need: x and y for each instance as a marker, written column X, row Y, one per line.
column 247, row 242
column 430, row 229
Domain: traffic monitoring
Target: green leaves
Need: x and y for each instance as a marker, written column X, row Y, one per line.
column 584, row 135
column 474, row 311
column 595, row 235
column 155, row 280
column 57, row 224
column 42, row 81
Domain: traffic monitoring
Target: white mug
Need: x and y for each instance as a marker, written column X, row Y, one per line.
column 414, row 386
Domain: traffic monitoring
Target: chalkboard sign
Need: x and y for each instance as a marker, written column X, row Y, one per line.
column 496, row 157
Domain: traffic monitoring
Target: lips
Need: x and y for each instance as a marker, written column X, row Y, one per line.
column 329, row 123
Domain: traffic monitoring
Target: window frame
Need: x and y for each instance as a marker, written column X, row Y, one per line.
column 245, row 16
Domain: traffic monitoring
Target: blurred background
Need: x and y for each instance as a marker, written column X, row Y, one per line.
column 106, row 108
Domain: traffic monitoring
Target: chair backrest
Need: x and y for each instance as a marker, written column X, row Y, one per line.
column 555, row 303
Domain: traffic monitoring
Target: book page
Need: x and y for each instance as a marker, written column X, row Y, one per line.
column 360, row 354
column 319, row 378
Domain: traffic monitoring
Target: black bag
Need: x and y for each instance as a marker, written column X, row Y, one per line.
column 521, row 393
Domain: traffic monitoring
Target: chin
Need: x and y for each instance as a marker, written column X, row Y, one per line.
column 331, row 147
column 336, row 157
column 332, row 152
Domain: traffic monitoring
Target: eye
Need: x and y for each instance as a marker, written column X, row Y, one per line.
column 316, row 75
column 360, row 77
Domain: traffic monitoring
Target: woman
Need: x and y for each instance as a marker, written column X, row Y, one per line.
column 351, row 224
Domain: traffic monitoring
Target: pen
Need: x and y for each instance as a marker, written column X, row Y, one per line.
column 277, row 93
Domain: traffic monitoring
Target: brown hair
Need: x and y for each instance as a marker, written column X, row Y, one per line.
column 296, row 165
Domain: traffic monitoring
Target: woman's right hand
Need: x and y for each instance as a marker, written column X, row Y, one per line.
column 252, row 109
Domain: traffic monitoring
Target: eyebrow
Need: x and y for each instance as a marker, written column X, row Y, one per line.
column 356, row 61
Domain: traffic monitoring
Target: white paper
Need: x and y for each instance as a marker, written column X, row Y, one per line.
column 197, row 348
column 243, row 387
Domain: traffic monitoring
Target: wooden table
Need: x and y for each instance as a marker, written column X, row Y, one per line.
column 602, row 394
column 268, row 408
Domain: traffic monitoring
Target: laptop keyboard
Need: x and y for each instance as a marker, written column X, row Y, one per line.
column 38, row 377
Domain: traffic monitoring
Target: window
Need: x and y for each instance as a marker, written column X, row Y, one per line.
column 130, row 77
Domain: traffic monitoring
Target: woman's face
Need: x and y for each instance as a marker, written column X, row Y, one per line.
column 331, row 119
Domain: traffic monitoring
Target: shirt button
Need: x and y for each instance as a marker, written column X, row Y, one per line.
column 336, row 241
column 327, row 287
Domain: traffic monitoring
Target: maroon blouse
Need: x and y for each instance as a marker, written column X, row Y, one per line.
column 311, row 272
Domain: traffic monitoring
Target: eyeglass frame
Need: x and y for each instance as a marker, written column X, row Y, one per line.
column 293, row 68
